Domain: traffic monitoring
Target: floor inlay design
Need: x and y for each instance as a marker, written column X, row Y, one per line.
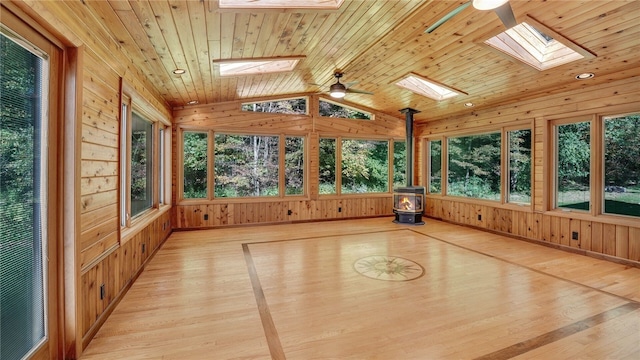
column 388, row 268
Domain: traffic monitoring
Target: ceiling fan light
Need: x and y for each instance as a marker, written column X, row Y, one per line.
column 488, row 4
column 337, row 90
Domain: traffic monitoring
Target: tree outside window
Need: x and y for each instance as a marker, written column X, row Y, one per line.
column 294, row 165
column 245, row 165
column 141, row 165
column 365, row 166
column 621, row 186
column 195, row 165
column 400, row 163
column 573, row 164
column 474, row 166
column 327, row 166
column 519, row 166
column 435, row 167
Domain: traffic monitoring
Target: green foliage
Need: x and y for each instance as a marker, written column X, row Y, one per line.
column 399, row 163
column 520, row 166
column 474, row 166
column 365, row 166
column 622, row 151
column 435, row 169
column 20, row 242
column 329, row 109
column 288, row 106
column 327, row 166
column 574, row 156
column 245, row 165
column 195, row 165
column 294, row 165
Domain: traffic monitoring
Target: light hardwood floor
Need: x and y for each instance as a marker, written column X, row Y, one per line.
column 292, row 291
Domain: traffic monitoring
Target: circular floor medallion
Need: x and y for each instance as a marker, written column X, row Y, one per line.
column 389, row 268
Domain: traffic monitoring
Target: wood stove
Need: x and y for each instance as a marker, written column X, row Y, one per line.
column 408, row 202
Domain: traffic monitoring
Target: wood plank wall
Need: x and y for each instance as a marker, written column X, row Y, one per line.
column 228, row 117
column 599, row 235
column 104, row 65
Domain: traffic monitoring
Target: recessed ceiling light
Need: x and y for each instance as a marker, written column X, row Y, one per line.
column 469, row 104
column 192, row 102
column 585, row 76
column 179, row 71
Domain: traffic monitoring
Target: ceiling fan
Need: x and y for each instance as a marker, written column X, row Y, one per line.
column 501, row 7
column 339, row 90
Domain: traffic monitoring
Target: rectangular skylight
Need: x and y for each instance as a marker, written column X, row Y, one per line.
column 428, row 88
column 256, row 66
column 537, row 47
column 280, row 4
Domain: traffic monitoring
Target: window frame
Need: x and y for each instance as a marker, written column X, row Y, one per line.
column 600, row 170
column 338, row 162
column 503, row 202
column 131, row 101
column 61, row 140
column 552, row 161
column 211, row 198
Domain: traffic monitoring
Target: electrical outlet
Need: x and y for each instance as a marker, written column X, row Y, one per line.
column 144, row 247
column 574, row 235
column 340, row 209
column 206, row 216
column 102, row 292
column 289, row 212
column 479, row 217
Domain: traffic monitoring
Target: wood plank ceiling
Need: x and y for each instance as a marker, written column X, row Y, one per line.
column 374, row 42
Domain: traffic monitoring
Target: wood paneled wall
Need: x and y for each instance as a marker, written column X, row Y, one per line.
column 100, row 257
column 597, row 234
column 228, row 117
column 104, row 284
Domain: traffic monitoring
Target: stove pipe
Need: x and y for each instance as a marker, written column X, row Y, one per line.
column 408, row 113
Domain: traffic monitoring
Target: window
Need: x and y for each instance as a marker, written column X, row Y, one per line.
column 141, row 165
column 283, row 106
column 365, row 166
column 621, row 186
column 435, row 167
column 327, row 171
column 519, row 160
column 194, row 171
column 142, row 156
column 400, row 163
column 332, row 109
column 27, row 187
column 246, row 165
column 428, row 88
column 294, row 165
column 474, row 166
column 573, row 159
column 236, row 67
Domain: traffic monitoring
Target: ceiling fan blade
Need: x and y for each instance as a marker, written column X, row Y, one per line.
column 446, row 18
column 356, row 91
column 505, row 13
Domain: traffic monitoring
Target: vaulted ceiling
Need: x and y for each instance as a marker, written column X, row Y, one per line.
column 374, row 42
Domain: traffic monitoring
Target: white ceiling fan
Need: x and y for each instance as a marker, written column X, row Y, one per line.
column 502, row 8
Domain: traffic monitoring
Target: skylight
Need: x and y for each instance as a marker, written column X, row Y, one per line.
column 427, row 88
column 256, row 66
column 280, row 4
column 536, row 47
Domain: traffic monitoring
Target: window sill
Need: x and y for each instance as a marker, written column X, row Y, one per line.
column 604, row 218
column 139, row 223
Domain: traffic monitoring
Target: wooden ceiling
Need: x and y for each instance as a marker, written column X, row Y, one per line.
column 374, row 42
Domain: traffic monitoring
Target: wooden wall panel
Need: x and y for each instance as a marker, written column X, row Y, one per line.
column 617, row 237
column 116, row 272
column 192, row 216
